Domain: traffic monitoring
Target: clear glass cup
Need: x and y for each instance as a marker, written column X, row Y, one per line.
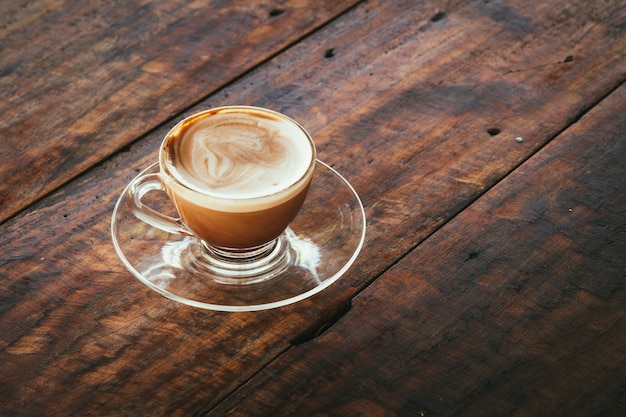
column 240, row 230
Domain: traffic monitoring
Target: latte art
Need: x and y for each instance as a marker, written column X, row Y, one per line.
column 238, row 158
column 238, row 155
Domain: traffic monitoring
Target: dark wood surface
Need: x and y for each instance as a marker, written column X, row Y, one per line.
column 514, row 307
column 485, row 138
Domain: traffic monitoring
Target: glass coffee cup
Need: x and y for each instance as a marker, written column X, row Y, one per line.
column 237, row 176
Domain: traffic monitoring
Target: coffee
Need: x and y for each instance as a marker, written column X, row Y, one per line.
column 237, row 175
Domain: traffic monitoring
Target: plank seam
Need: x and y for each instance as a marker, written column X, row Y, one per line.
column 568, row 124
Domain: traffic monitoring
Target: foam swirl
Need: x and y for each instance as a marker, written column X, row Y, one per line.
column 237, row 155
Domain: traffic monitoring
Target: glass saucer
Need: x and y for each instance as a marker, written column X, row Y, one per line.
column 322, row 242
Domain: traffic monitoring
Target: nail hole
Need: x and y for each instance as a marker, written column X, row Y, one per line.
column 472, row 255
column 493, row 131
column 438, row 16
column 276, row 12
column 329, row 53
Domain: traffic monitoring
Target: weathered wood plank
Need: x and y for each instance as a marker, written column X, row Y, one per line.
column 401, row 107
column 515, row 307
column 80, row 80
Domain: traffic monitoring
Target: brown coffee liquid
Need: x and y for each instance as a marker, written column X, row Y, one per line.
column 241, row 229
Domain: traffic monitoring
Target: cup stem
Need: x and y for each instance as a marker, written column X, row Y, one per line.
column 239, row 256
column 244, row 266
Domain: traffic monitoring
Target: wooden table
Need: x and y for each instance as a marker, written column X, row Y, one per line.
column 486, row 139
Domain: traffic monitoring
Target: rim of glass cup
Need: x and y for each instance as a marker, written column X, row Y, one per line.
column 169, row 175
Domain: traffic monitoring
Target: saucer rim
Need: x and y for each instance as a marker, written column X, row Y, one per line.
column 244, row 307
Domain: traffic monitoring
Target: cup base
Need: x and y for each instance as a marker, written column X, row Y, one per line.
column 240, row 266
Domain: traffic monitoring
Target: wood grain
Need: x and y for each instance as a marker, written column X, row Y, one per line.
column 80, row 80
column 406, row 106
column 515, row 307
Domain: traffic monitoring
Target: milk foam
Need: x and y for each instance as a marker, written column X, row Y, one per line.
column 241, row 155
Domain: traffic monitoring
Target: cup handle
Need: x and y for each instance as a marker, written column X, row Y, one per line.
column 140, row 187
